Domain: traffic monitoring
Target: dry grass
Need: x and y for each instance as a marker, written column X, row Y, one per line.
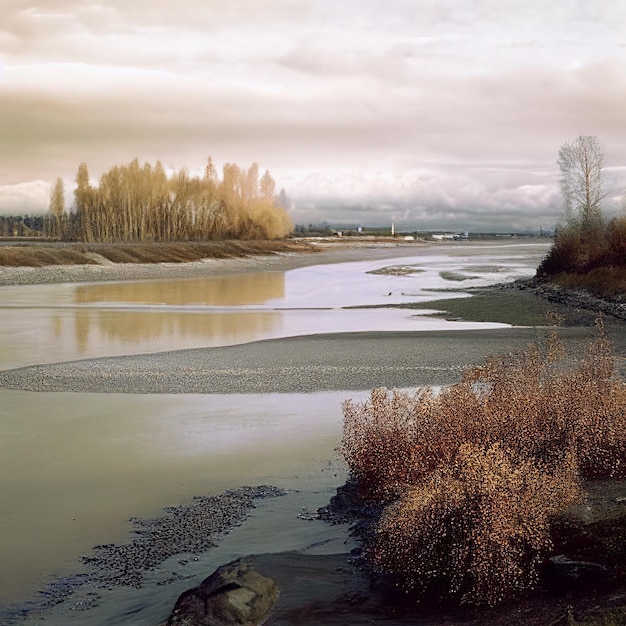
column 473, row 476
column 78, row 254
column 604, row 282
column 38, row 256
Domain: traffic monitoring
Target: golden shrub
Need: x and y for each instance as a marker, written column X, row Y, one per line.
column 541, row 404
column 472, row 476
column 475, row 531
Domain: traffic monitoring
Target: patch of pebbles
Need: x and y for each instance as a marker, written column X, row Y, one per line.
column 186, row 530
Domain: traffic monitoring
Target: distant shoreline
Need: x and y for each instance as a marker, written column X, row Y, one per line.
column 325, row 253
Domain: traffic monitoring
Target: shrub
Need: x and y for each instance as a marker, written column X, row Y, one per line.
column 565, row 255
column 475, row 531
column 472, row 477
column 616, row 235
column 381, row 442
column 594, row 261
column 545, row 405
column 541, row 404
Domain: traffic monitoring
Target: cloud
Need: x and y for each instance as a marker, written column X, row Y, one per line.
column 459, row 103
column 25, row 198
column 427, row 200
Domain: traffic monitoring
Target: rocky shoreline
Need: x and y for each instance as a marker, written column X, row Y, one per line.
column 577, row 299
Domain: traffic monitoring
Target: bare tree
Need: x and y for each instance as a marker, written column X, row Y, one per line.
column 56, row 208
column 582, row 180
column 83, row 200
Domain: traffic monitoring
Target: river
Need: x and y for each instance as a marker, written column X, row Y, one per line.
column 74, row 467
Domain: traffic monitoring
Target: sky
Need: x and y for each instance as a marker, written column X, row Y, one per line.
column 432, row 114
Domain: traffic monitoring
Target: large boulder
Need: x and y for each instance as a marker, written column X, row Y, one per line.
column 234, row 595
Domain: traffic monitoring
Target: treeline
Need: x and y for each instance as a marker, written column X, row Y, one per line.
column 140, row 203
column 23, row 226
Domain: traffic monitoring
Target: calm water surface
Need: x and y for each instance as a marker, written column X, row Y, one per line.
column 75, row 467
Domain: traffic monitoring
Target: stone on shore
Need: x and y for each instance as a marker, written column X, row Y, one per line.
column 234, row 595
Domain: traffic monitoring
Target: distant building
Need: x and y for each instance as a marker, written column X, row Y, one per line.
column 446, row 236
column 450, row 236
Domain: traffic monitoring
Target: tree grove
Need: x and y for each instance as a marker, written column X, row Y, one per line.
column 138, row 203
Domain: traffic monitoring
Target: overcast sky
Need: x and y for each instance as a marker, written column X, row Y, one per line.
column 431, row 113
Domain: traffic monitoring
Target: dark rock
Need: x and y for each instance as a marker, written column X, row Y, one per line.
column 234, row 595
column 563, row 573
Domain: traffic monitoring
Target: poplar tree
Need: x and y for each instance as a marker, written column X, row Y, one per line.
column 57, row 199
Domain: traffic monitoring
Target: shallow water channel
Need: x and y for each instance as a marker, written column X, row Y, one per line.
column 75, row 467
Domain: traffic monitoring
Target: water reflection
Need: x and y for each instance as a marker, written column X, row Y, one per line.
column 229, row 290
column 74, row 466
column 147, row 329
column 49, row 323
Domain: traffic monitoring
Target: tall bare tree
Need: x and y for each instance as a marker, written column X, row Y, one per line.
column 267, row 186
column 83, row 199
column 56, row 208
column 582, row 179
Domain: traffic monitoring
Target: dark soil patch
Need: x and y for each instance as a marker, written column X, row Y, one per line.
column 503, row 304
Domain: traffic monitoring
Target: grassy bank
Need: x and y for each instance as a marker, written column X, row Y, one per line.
column 602, row 282
column 39, row 255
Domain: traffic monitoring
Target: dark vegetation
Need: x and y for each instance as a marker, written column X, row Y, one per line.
column 23, row 225
column 472, row 485
column 595, row 262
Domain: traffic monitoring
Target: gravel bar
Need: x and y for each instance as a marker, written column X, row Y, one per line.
column 346, row 361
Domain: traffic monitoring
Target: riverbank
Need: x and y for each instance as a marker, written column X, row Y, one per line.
column 77, row 263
